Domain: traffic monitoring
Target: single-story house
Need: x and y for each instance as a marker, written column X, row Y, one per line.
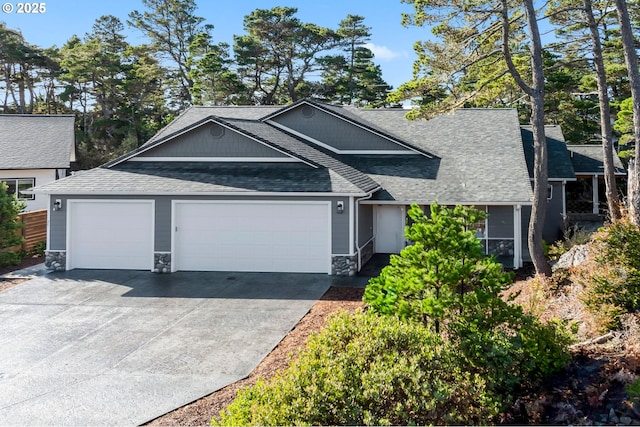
column 36, row 149
column 307, row 187
column 586, row 194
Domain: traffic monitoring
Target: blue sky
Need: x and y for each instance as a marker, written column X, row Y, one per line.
column 391, row 42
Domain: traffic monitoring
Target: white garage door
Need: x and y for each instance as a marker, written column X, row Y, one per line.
column 110, row 234
column 252, row 236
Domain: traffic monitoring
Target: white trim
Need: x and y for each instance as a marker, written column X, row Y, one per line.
column 517, row 236
column 217, row 159
column 70, row 202
column 595, row 194
column 560, row 179
column 174, row 203
column 211, row 193
column 564, row 199
column 351, row 225
column 209, row 120
column 407, row 150
column 49, row 210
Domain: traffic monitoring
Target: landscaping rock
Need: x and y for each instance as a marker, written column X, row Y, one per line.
column 573, row 257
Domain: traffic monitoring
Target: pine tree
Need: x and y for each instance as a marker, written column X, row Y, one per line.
column 10, row 207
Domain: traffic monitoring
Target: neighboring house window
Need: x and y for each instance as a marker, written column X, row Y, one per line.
column 495, row 241
column 19, row 185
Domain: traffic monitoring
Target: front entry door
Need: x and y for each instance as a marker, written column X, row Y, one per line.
column 390, row 222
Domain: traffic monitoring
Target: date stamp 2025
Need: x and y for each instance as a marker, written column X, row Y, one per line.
column 24, row 8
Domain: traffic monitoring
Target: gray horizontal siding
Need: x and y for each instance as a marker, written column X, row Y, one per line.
column 365, row 224
column 334, row 131
column 58, row 225
column 199, row 142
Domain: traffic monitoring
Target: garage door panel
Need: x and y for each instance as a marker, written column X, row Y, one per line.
column 252, row 237
column 111, row 234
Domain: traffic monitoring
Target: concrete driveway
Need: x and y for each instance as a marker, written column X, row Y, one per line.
column 90, row 347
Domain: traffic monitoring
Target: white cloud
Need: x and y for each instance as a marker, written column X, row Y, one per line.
column 384, row 53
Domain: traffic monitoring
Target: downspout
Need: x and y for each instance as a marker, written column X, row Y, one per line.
column 356, row 225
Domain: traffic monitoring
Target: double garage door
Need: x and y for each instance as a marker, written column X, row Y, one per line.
column 205, row 236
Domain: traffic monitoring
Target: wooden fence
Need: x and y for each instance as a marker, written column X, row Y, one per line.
column 34, row 230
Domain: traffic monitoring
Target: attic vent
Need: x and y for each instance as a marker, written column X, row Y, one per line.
column 216, row 131
column 307, row 111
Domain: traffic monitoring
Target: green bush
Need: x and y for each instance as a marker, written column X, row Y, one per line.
column 365, row 369
column 520, row 351
column 613, row 287
column 10, row 207
column 443, row 275
column 444, row 280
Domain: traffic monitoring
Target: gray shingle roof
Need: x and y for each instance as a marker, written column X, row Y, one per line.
column 481, row 158
column 589, row 160
column 559, row 163
column 194, row 178
column 36, row 141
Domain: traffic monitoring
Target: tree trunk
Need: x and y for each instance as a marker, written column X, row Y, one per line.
column 540, row 173
column 631, row 60
column 613, row 202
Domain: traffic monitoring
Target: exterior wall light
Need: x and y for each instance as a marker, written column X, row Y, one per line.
column 57, row 205
column 340, row 207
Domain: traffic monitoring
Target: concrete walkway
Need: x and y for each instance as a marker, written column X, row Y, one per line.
column 90, row 347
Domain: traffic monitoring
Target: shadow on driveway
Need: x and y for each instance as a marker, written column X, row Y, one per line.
column 103, row 347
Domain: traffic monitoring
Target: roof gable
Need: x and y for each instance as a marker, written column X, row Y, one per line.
column 209, row 139
column 33, row 141
column 212, row 140
column 336, row 129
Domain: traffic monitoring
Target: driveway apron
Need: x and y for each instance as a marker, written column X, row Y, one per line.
column 104, row 347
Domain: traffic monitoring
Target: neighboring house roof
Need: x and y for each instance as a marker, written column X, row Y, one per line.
column 481, row 158
column 33, row 141
column 559, row 162
column 589, row 160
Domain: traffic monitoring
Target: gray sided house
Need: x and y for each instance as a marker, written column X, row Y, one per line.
column 309, row 187
column 35, row 150
column 586, row 195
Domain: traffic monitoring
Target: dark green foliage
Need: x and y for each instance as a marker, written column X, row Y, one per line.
column 445, row 279
column 364, row 369
column 614, row 285
column 443, row 275
column 10, row 207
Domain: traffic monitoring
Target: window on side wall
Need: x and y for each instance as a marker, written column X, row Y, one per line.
column 19, row 185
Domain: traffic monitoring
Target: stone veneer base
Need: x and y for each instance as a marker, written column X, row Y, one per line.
column 344, row 265
column 55, row 260
column 162, row 262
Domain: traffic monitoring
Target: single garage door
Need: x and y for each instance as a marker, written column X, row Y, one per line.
column 110, row 234
column 252, row 236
